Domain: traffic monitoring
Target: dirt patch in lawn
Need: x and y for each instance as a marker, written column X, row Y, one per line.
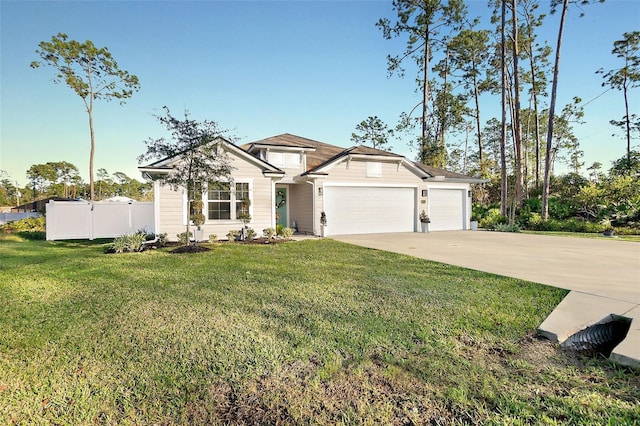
column 191, row 248
column 373, row 391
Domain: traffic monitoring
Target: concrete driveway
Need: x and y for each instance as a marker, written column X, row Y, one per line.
column 603, row 274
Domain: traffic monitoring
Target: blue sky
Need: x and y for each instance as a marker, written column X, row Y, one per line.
column 312, row 68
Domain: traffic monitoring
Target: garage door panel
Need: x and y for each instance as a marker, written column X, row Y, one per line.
column 363, row 210
column 446, row 209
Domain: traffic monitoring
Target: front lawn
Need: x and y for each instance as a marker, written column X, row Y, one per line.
column 312, row 332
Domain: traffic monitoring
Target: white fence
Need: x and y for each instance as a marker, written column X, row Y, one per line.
column 79, row 220
column 10, row 217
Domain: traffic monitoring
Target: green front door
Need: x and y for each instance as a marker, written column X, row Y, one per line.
column 281, row 206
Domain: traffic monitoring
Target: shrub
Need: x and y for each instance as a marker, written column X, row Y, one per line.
column 128, row 243
column 33, row 235
column 560, row 208
column 232, row 235
column 507, row 227
column 627, row 230
column 572, row 225
column 162, row 239
column 492, row 218
column 213, row 238
column 279, row 228
column 286, row 233
column 28, row 224
column 535, row 221
column 269, row 232
column 183, row 238
column 251, row 234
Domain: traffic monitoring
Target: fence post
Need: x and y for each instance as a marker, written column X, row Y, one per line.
column 91, row 224
column 48, row 227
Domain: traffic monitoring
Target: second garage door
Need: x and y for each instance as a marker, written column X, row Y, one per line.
column 365, row 210
column 446, row 209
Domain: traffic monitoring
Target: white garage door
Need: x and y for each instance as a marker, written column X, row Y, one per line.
column 446, row 209
column 364, row 210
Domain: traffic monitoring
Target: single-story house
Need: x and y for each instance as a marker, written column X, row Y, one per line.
column 320, row 189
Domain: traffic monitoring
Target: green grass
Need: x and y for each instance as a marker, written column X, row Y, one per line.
column 616, row 237
column 312, row 332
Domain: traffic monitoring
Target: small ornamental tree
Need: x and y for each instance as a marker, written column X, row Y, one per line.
column 194, row 152
column 91, row 72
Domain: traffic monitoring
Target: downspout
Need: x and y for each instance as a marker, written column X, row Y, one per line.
column 156, row 207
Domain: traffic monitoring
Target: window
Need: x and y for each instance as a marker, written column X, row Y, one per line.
column 219, row 201
column 284, row 159
column 242, row 194
column 195, row 194
column 374, row 169
column 225, row 204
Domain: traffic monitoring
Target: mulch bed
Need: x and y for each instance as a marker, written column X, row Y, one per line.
column 199, row 248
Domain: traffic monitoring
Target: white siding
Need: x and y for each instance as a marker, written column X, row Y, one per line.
column 301, row 206
column 172, row 205
column 354, row 173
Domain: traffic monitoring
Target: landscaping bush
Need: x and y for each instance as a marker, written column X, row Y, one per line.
column 184, row 238
column 128, row 243
column 33, row 235
column 286, row 233
column 507, row 227
column 279, row 228
column 213, row 238
column 560, row 208
column 269, row 232
column 28, row 224
column 492, row 218
column 232, row 235
column 162, row 239
column 535, row 222
column 251, row 234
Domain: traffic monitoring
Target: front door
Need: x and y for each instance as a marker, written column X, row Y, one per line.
column 281, row 206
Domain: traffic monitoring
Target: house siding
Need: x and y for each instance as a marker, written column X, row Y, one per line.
column 301, row 206
column 355, row 173
column 172, row 206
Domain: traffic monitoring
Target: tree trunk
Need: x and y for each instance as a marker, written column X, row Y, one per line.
column 443, row 124
column 628, row 121
column 476, row 95
column 552, row 106
column 536, row 115
column 425, row 95
column 503, row 140
column 92, row 152
column 517, row 135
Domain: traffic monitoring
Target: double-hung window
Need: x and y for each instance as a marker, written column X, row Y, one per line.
column 225, row 201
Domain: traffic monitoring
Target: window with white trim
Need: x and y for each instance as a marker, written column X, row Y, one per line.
column 223, row 203
column 374, row 169
column 284, row 159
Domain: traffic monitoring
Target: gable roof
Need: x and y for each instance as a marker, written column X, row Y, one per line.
column 320, row 155
column 317, row 152
column 164, row 165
